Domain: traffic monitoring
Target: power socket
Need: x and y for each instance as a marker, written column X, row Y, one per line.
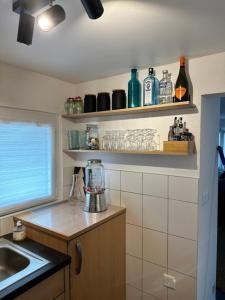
column 169, row 281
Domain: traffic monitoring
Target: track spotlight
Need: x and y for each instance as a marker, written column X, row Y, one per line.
column 26, row 29
column 93, row 8
column 51, row 17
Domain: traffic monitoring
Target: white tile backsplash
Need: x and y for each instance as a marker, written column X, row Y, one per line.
column 161, row 230
column 183, row 219
column 112, row 179
column 148, row 297
column 153, row 280
column 182, row 255
column 134, row 240
column 67, row 175
column 155, row 213
column 183, row 189
column 185, row 287
column 133, row 204
column 66, row 190
column 112, row 197
column 155, row 247
column 134, row 271
column 133, row 293
column 131, row 182
column 155, row 185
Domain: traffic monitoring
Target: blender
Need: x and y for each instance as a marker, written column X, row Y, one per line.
column 95, row 187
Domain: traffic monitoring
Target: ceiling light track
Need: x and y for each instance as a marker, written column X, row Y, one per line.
column 49, row 18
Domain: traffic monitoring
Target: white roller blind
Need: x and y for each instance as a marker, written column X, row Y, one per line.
column 27, row 164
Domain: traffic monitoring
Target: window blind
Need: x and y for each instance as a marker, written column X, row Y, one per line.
column 26, row 164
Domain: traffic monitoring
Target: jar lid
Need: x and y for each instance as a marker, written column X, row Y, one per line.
column 94, row 161
column 78, row 98
column 103, row 93
column 119, row 91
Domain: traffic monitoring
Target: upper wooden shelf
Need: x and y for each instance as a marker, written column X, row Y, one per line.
column 130, row 111
column 135, row 152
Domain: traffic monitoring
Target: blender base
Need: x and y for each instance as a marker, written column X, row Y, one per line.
column 95, row 203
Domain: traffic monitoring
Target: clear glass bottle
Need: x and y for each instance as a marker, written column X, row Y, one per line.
column 151, row 89
column 163, row 88
column 134, row 90
column 169, row 89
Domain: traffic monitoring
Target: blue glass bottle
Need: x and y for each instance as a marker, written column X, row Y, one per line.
column 151, row 89
column 134, row 90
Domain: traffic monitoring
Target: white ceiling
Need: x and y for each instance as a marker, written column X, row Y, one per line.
column 130, row 33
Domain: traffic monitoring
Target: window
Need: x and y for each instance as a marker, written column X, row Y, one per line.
column 27, row 162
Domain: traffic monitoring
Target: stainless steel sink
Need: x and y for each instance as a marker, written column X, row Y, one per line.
column 17, row 263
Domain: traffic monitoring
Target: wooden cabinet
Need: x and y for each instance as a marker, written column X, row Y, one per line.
column 97, row 271
column 49, row 289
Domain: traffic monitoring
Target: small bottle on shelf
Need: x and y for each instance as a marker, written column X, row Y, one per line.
column 163, row 88
column 134, row 90
column 151, row 89
column 182, row 86
column 171, row 134
column 169, row 89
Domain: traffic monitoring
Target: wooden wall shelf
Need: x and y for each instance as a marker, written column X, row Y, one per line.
column 157, row 152
column 130, row 111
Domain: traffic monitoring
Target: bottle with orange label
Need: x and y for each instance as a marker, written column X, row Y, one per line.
column 182, row 86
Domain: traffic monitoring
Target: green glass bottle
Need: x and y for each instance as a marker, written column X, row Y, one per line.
column 182, row 86
column 134, row 90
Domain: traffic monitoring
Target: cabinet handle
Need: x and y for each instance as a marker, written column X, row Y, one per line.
column 80, row 258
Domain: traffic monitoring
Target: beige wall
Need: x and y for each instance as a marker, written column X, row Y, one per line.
column 25, row 89
column 28, row 90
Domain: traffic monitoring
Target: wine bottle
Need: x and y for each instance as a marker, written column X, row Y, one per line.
column 182, row 86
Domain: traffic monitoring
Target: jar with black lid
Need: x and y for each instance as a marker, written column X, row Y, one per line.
column 103, row 101
column 118, row 99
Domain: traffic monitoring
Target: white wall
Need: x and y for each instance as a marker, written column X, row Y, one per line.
column 28, row 90
column 25, row 89
column 208, row 198
column 208, row 78
column 200, row 70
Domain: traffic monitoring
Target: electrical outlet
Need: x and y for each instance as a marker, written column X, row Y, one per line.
column 170, row 281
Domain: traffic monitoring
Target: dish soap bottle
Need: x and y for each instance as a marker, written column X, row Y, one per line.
column 151, row 89
column 134, row 90
column 19, row 232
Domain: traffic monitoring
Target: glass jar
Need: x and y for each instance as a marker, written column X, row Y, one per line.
column 78, row 106
column 94, row 176
column 69, row 106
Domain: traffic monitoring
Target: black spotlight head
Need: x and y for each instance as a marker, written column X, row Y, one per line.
column 51, row 17
column 93, row 8
column 26, row 29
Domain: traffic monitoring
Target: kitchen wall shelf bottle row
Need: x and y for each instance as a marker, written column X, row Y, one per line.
column 130, row 111
column 156, row 152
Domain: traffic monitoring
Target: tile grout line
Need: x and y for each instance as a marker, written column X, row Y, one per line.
column 167, row 292
column 142, row 261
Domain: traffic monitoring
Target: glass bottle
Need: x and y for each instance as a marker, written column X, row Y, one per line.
column 169, row 89
column 163, row 88
column 134, row 90
column 182, row 86
column 151, row 89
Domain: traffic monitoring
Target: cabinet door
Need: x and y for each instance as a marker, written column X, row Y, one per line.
column 98, row 262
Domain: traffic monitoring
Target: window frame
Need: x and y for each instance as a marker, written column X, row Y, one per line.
column 9, row 114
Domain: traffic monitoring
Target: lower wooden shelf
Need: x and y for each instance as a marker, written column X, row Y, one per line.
column 133, row 152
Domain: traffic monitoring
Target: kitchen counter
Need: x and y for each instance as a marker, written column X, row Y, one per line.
column 66, row 221
column 57, row 261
